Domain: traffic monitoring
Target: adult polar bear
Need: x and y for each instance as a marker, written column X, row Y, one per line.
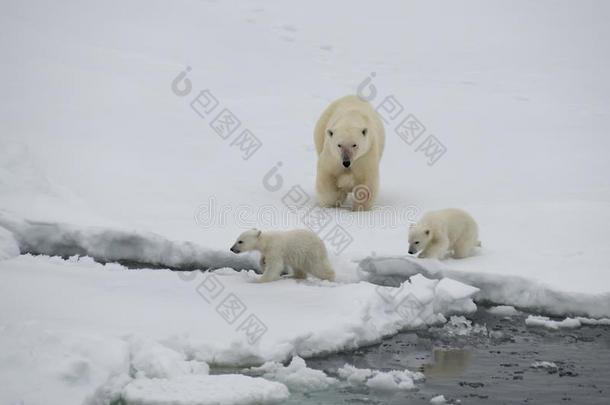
column 349, row 138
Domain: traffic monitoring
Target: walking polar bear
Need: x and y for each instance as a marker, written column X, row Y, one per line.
column 446, row 231
column 300, row 249
column 349, row 138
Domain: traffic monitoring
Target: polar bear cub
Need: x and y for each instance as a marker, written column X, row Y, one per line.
column 300, row 249
column 446, row 231
column 349, row 138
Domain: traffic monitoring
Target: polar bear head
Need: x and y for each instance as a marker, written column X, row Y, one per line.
column 348, row 139
column 246, row 241
column 420, row 236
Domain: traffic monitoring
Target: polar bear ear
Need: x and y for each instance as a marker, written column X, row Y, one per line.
column 329, row 132
column 364, row 131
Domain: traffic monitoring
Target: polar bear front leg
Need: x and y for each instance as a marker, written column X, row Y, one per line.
column 435, row 250
column 273, row 269
column 329, row 195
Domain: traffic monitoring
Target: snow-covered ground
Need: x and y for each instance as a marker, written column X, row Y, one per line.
column 106, row 151
column 81, row 330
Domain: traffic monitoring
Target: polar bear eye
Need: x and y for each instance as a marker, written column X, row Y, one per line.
column 241, row 241
column 339, row 145
column 364, row 131
column 330, row 133
column 354, row 146
column 417, row 243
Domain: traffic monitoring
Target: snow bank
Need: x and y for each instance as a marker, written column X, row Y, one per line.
column 117, row 146
column 451, row 292
column 8, row 245
column 161, row 326
column 150, row 359
column 577, row 322
column 204, row 390
column 296, row 376
column 65, row 366
column 497, row 288
column 108, row 245
column 380, row 380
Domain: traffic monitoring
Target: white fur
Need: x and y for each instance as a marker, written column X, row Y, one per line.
column 449, row 231
column 347, row 117
column 301, row 250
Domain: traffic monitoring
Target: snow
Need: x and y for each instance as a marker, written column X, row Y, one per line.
column 549, row 365
column 380, row 380
column 296, row 376
column 204, row 390
column 39, row 365
column 545, row 321
column 505, row 289
column 163, row 326
column 8, row 245
column 100, row 157
column 108, row 245
column 503, row 310
column 150, row 359
column 593, row 322
column 113, row 146
column 450, row 292
column 439, row 399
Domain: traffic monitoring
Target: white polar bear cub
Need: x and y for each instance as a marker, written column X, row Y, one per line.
column 301, row 250
column 445, row 231
column 349, row 138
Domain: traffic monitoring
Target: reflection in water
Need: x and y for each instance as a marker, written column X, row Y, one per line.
column 448, row 363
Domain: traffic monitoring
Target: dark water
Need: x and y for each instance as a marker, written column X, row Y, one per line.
column 488, row 366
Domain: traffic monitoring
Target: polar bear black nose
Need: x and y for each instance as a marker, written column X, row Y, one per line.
column 346, row 163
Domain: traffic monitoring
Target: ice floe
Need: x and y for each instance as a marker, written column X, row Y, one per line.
column 545, row 321
column 380, row 380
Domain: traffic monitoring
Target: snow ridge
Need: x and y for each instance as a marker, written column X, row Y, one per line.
column 496, row 288
column 113, row 245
